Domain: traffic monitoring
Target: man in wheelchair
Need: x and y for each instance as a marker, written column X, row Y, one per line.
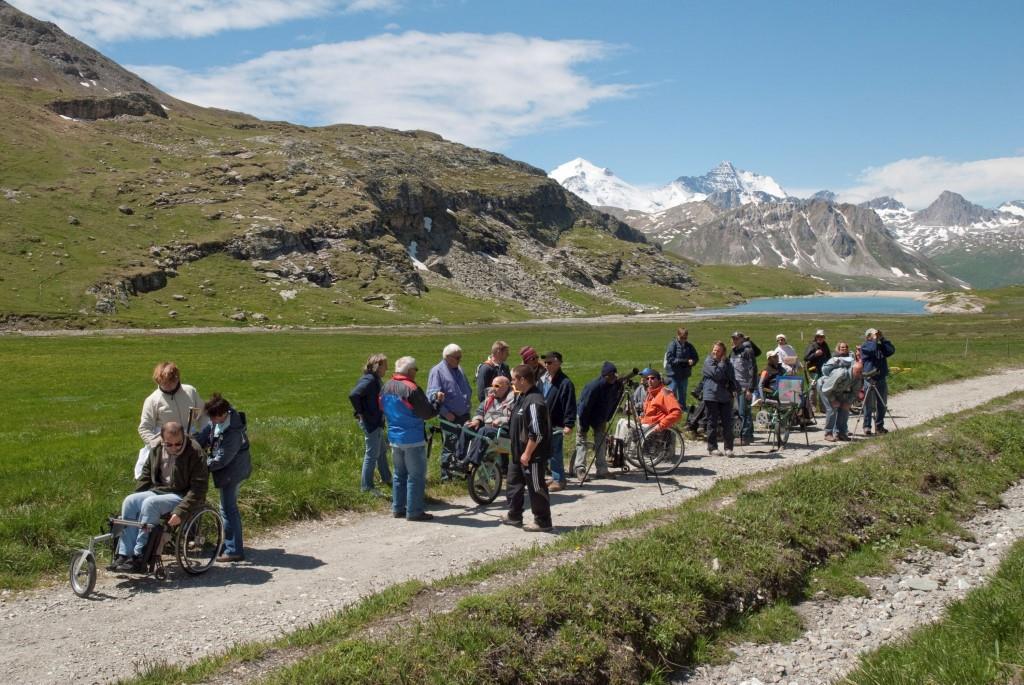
column 661, row 408
column 173, row 481
column 492, row 416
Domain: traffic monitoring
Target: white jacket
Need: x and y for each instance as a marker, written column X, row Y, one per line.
column 161, row 408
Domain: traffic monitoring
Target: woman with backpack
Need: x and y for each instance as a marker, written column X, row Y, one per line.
column 840, row 379
column 228, row 460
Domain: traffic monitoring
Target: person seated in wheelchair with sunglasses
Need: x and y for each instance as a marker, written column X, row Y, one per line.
column 661, row 408
column 174, row 480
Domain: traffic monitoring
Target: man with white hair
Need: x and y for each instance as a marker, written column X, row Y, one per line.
column 406, row 408
column 447, row 377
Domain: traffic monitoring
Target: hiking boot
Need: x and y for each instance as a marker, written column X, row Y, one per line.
column 881, row 431
column 537, row 528
column 398, row 514
column 581, row 473
column 829, row 437
column 600, row 475
column 714, row 452
column 422, row 516
column 555, row 486
column 230, row 558
column 867, row 431
column 117, row 561
column 729, row 453
column 843, row 437
column 509, row 521
column 132, row 565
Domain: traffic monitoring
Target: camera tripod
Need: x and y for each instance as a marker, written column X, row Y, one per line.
column 872, row 395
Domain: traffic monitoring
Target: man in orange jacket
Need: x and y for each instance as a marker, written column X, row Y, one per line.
column 661, row 409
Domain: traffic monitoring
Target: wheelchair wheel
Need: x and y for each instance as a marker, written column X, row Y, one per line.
column 199, row 540
column 663, row 452
column 82, row 573
column 484, row 482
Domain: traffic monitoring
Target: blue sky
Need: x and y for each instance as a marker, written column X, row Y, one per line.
column 864, row 98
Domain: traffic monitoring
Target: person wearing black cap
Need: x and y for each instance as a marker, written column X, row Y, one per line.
column 596, row 407
column 560, row 397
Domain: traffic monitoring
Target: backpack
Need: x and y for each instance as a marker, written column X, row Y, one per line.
column 840, row 380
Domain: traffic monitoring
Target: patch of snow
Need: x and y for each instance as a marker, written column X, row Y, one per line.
column 288, row 294
column 428, row 223
column 166, row 107
column 35, row 79
column 411, row 251
column 1011, row 208
column 85, row 83
column 92, row 81
column 63, row 116
column 897, row 272
column 451, row 212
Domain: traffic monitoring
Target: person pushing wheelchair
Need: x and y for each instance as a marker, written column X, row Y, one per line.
column 174, row 480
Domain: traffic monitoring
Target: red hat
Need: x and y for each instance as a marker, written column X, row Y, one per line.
column 528, row 354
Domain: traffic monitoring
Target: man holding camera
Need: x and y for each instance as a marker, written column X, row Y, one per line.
column 875, row 353
column 597, row 404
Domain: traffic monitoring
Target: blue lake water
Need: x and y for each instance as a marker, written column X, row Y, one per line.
column 854, row 304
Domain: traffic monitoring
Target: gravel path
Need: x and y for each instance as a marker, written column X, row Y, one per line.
column 304, row 572
column 917, row 592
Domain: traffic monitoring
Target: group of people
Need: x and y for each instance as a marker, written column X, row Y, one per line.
column 536, row 404
column 185, row 441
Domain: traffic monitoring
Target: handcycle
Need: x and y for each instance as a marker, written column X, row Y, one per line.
column 655, row 452
column 195, row 544
column 483, row 477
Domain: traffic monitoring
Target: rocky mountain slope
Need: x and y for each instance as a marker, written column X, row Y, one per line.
column 982, row 246
column 122, row 205
column 725, row 186
column 841, row 243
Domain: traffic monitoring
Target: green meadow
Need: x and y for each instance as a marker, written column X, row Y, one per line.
column 68, row 437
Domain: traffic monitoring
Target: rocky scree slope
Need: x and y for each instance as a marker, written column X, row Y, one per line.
column 99, row 213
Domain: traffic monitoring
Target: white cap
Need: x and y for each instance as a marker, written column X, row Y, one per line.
column 820, row 331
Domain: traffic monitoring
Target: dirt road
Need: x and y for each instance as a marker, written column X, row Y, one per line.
column 304, row 572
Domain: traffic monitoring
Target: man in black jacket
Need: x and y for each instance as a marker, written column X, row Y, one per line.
column 560, row 396
column 530, row 431
column 597, row 405
column 816, row 354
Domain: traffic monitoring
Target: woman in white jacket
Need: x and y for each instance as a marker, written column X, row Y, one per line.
column 171, row 401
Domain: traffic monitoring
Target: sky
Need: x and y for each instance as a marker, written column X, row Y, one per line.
column 862, row 98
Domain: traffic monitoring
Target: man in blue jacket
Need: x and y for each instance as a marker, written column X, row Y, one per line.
column 447, row 377
column 406, row 408
column 875, row 353
column 680, row 358
column 596, row 406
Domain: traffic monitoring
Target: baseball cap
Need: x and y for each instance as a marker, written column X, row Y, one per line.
column 769, row 354
column 608, row 368
column 820, row 331
column 552, row 355
column 647, row 371
column 736, row 334
column 869, row 332
column 781, row 335
column 651, row 373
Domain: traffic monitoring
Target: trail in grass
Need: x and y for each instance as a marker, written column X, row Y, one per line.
column 304, row 572
column 917, row 591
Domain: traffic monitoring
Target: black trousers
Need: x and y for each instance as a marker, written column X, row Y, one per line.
column 719, row 414
column 528, row 479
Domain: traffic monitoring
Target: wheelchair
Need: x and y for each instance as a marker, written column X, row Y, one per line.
column 483, row 477
column 195, row 544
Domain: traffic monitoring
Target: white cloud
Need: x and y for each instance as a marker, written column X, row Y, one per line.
column 118, row 20
column 917, row 182
column 477, row 89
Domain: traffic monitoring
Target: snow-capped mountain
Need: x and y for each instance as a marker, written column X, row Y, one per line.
column 724, row 186
column 982, row 246
column 601, row 187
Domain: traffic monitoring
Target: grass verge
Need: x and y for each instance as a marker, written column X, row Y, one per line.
column 640, row 607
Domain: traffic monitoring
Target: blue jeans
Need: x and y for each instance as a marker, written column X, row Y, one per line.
column 872, row 407
column 679, row 386
column 376, row 455
column 232, row 519
column 410, row 480
column 146, row 507
column 558, row 456
column 743, row 407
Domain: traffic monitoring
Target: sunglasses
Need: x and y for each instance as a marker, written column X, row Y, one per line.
column 173, row 445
